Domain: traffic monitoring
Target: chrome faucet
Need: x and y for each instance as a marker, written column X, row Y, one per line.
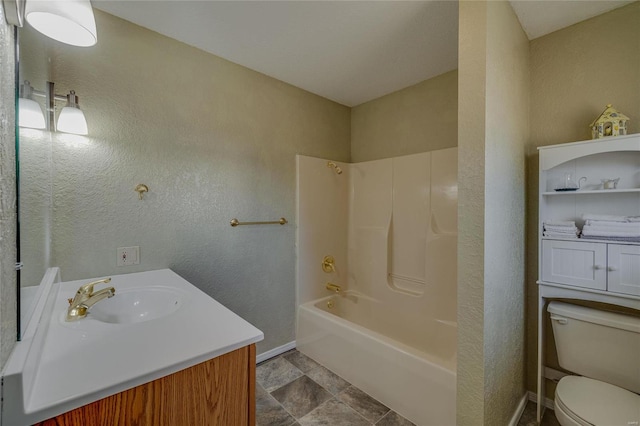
column 86, row 298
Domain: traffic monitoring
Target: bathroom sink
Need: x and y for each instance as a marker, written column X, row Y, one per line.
column 138, row 305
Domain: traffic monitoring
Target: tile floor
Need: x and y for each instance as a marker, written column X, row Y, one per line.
column 529, row 417
column 293, row 389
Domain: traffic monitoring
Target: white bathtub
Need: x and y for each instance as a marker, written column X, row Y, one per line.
column 413, row 373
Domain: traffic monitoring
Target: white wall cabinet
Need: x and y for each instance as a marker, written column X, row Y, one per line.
column 623, row 269
column 598, row 266
column 575, row 263
column 587, row 269
column 590, row 264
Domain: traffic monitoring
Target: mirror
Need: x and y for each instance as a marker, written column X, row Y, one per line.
column 35, row 168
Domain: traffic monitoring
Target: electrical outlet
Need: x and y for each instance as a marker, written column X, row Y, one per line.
column 128, row 256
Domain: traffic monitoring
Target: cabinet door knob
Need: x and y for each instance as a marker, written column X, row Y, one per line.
column 612, row 268
column 598, row 267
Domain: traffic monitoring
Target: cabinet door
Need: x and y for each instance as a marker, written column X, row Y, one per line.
column 575, row 263
column 624, row 269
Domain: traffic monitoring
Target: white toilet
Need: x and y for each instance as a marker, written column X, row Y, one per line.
column 604, row 348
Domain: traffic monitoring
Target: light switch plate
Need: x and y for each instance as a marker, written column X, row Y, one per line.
column 128, row 256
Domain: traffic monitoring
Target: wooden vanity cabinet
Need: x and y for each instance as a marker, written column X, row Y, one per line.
column 220, row 391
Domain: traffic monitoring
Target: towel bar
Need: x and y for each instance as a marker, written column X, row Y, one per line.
column 235, row 222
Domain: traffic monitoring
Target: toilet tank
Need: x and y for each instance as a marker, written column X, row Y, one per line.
column 601, row 345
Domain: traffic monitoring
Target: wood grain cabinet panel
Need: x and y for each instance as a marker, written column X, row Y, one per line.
column 220, row 391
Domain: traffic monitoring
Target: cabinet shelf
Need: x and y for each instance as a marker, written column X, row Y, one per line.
column 596, row 191
column 594, row 240
column 563, row 291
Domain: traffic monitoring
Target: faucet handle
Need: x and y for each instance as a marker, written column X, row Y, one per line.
column 333, row 287
column 328, row 264
column 88, row 288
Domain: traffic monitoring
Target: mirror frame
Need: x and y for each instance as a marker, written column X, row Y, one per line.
column 16, row 50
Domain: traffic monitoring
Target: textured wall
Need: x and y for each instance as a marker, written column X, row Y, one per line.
column 471, row 186
column 493, row 125
column 213, row 141
column 8, row 284
column 507, row 135
column 420, row 118
column 575, row 72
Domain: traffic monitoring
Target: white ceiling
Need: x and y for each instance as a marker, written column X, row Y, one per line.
column 347, row 51
column 543, row 17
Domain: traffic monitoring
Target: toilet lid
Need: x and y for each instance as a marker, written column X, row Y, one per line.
column 597, row 403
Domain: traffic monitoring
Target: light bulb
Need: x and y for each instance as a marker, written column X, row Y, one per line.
column 30, row 114
column 71, row 120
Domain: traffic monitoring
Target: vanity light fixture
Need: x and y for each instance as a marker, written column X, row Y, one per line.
column 29, row 111
column 70, row 120
column 68, row 21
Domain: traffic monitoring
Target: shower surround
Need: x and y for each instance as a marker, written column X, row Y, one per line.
column 391, row 226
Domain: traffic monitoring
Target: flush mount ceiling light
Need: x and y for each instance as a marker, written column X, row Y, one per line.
column 68, row 21
column 70, row 120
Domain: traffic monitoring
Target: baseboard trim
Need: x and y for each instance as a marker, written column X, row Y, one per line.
column 548, row 402
column 275, row 352
column 519, row 410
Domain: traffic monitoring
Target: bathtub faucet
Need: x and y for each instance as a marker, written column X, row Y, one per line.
column 85, row 298
column 333, row 287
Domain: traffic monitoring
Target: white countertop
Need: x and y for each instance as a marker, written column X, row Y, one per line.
column 84, row 361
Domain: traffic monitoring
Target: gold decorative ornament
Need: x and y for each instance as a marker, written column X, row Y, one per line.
column 141, row 188
column 609, row 123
